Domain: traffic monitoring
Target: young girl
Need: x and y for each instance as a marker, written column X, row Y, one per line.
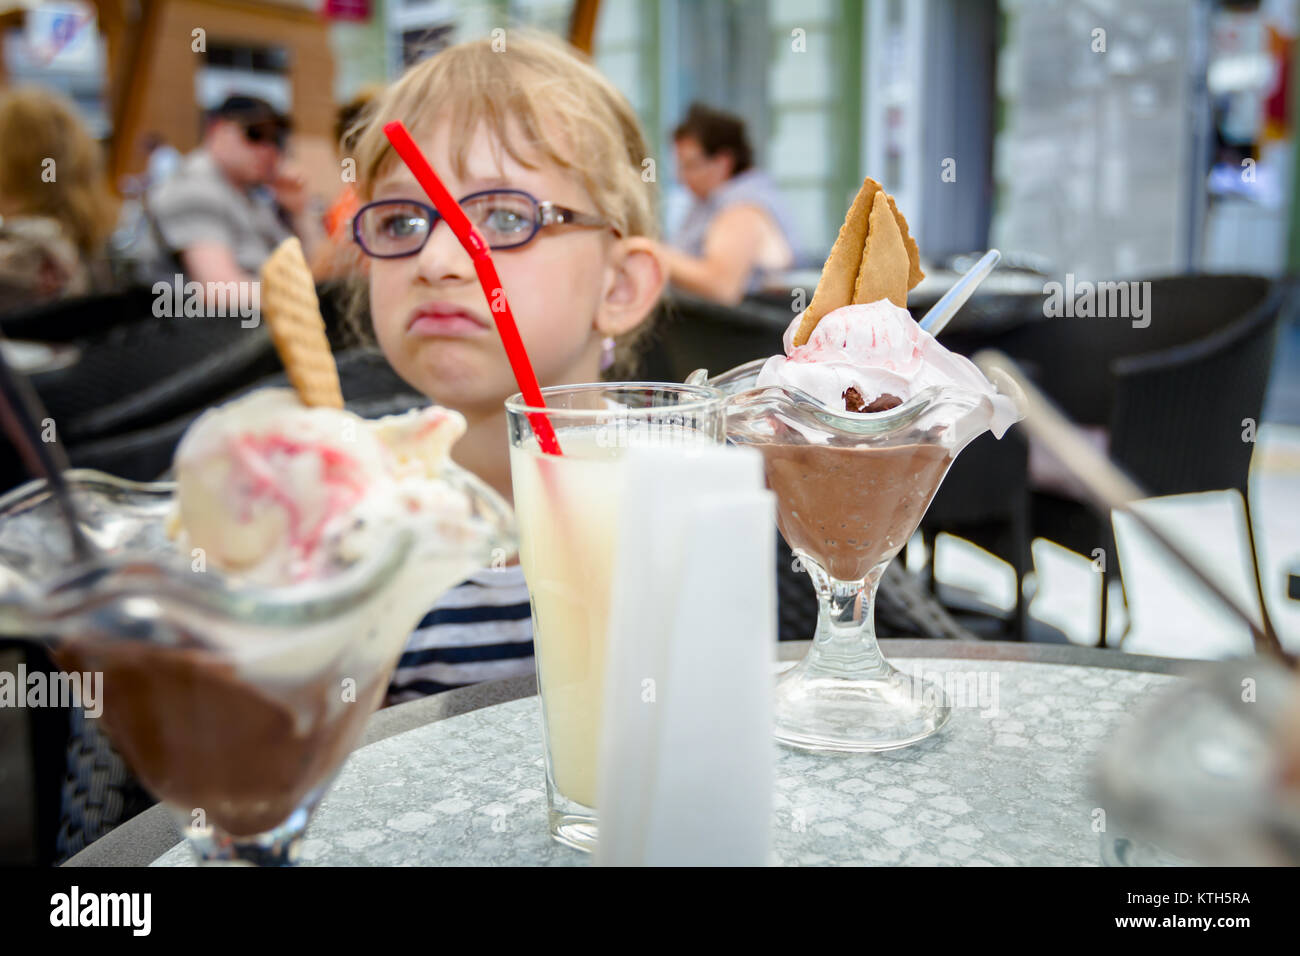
column 546, row 157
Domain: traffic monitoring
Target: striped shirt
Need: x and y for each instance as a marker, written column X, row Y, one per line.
column 479, row 630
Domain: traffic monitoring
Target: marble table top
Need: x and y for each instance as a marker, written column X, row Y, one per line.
column 1005, row 783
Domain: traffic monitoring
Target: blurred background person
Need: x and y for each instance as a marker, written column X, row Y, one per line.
column 231, row 201
column 127, row 243
column 163, row 158
column 56, row 208
column 738, row 227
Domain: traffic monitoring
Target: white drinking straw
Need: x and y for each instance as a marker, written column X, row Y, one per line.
column 943, row 311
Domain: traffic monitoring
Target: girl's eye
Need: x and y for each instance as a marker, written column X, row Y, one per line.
column 401, row 225
column 506, row 218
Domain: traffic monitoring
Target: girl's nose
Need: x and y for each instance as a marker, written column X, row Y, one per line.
column 443, row 258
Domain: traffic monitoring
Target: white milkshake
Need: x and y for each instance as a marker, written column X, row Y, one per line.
column 567, row 508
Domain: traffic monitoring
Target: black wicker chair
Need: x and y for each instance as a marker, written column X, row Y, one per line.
column 84, row 317
column 985, row 499
column 140, row 378
column 99, row 792
column 370, row 386
column 693, row 333
column 1174, row 426
column 149, row 372
column 1176, row 403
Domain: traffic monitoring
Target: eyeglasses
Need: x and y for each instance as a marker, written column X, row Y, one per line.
column 268, row 133
column 506, row 219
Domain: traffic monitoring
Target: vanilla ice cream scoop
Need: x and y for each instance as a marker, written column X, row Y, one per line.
column 276, row 492
column 879, row 350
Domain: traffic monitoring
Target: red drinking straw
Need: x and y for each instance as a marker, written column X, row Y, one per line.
column 464, row 230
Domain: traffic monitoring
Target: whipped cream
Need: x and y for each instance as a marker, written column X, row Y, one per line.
column 879, row 349
column 275, row 492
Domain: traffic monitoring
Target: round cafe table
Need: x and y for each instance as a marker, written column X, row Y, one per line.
column 458, row 778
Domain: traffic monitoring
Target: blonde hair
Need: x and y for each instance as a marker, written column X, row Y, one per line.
column 37, row 125
column 541, row 100
column 350, row 121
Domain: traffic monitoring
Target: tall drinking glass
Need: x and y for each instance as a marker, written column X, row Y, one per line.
column 567, row 508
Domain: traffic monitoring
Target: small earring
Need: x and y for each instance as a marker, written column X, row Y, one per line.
column 606, row 353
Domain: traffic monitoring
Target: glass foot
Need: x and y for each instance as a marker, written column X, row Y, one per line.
column 570, row 822
column 578, row 832
column 278, row 847
column 1125, row 851
column 883, row 710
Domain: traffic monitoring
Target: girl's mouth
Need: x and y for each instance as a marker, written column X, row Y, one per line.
column 444, row 320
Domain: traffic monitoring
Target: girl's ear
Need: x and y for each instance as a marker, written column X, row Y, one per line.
column 636, row 277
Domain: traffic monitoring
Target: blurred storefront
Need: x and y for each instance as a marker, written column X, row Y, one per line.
column 1102, row 156
column 277, row 49
column 154, row 66
column 1251, row 63
column 791, row 68
column 831, row 90
column 60, row 46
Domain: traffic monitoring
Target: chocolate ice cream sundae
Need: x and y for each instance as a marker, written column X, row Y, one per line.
column 858, row 422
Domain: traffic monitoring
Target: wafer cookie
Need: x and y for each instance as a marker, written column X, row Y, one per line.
column 874, row 257
column 292, row 312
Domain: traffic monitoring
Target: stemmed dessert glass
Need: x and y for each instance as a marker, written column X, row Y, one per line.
column 235, row 706
column 851, row 489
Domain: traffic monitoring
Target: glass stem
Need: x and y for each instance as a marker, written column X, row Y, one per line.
column 845, row 642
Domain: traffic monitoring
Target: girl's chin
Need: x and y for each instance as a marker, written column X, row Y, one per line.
column 466, row 387
column 449, row 360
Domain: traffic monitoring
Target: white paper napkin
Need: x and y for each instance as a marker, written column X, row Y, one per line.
column 687, row 754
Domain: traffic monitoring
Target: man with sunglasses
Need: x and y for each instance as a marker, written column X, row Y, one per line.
column 231, row 202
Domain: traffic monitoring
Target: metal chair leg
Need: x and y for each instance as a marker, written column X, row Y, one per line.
column 1105, row 605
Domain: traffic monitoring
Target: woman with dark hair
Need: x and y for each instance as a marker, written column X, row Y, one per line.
column 738, row 227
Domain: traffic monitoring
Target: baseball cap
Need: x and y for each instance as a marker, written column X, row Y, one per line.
column 250, row 110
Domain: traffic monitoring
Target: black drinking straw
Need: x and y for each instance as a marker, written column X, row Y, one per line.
column 21, row 413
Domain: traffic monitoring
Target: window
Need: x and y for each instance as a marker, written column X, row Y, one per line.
column 246, row 69
column 420, row 44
